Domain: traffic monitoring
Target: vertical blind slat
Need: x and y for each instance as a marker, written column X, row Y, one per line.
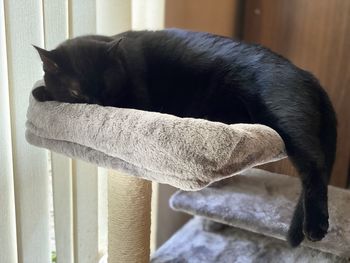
column 55, row 22
column 23, row 28
column 148, row 14
column 82, row 20
column 82, row 17
column 85, row 212
column 56, row 31
column 113, row 16
column 63, row 207
column 8, row 246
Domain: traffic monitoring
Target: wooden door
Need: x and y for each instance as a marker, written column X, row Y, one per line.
column 218, row 17
column 315, row 35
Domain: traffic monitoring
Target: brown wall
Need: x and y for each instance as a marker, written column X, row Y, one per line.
column 218, row 17
column 315, row 35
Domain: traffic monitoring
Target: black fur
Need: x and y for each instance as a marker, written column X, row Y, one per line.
column 200, row 75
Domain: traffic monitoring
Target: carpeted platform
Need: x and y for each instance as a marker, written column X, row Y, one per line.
column 258, row 206
column 186, row 153
column 193, row 244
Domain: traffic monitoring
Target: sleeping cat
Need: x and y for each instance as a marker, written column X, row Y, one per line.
column 200, row 75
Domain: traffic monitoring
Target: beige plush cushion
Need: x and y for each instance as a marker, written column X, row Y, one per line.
column 184, row 152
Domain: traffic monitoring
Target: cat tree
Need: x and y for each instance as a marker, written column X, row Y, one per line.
column 189, row 154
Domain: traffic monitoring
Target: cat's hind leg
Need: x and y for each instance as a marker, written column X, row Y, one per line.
column 313, row 157
column 295, row 233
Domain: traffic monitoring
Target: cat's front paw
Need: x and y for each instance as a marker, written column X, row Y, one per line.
column 315, row 224
column 41, row 94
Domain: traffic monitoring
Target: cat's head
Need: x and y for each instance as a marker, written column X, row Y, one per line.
column 75, row 70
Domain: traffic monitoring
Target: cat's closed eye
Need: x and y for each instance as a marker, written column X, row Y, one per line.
column 74, row 92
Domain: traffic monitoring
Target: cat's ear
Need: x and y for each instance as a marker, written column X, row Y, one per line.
column 49, row 65
column 115, row 47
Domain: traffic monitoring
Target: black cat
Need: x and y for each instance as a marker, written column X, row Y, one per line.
column 200, row 75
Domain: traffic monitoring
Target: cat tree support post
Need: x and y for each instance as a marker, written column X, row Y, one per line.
column 129, row 220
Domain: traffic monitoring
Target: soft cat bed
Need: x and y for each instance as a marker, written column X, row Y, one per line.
column 262, row 202
column 183, row 152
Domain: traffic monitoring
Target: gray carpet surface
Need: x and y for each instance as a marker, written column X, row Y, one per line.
column 193, row 244
column 263, row 202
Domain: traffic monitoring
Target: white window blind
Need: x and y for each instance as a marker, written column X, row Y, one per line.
column 79, row 189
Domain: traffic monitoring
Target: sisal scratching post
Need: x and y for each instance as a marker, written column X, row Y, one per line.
column 129, row 218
